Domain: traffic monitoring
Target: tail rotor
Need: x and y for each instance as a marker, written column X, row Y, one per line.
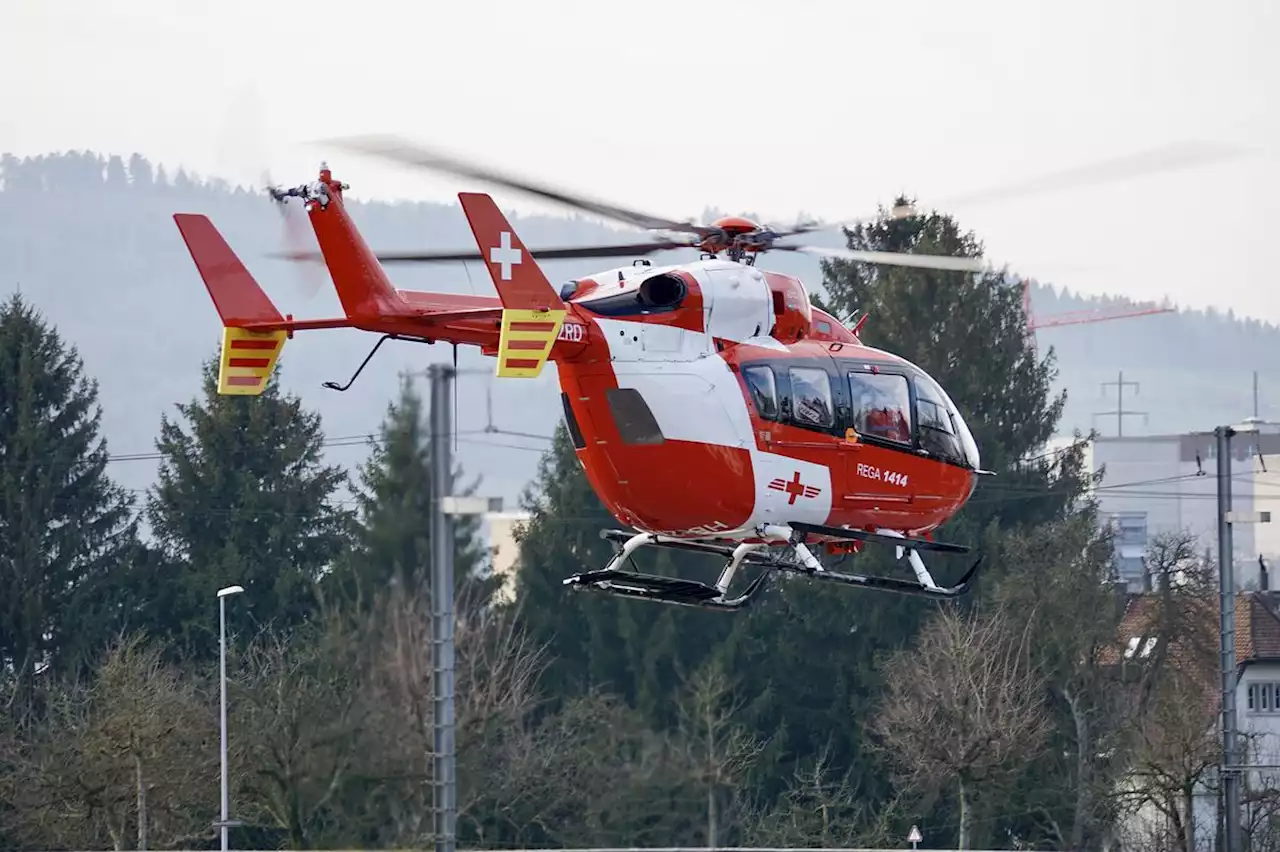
column 244, row 151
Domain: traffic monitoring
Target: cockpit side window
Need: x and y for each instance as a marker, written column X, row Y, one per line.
column 764, row 391
column 881, row 406
column 811, row 404
column 937, row 431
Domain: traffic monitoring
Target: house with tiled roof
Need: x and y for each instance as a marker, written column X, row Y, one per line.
column 1194, row 659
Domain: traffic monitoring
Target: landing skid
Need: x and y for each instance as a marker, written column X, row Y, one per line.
column 794, row 558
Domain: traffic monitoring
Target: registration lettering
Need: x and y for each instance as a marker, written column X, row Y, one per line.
column 572, row 332
column 892, row 477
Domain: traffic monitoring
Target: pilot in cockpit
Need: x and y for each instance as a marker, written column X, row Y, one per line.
column 884, row 416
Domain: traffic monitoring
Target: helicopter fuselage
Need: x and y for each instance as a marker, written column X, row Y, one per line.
column 706, row 399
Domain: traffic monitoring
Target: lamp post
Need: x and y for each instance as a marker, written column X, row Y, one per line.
column 223, row 594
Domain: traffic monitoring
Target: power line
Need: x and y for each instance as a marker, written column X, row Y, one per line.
column 363, row 438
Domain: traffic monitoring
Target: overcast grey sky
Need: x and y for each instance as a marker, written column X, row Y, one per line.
column 810, row 105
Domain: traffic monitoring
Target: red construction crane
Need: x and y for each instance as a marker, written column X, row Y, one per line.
column 1080, row 317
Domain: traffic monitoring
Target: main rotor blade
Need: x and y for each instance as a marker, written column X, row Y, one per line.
column 1167, row 158
column 557, row 253
column 889, row 258
column 899, row 212
column 411, row 154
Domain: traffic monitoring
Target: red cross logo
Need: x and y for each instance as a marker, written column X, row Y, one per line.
column 794, row 488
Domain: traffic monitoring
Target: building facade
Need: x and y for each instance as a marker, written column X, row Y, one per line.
column 1155, row 484
column 1143, row 821
column 504, row 550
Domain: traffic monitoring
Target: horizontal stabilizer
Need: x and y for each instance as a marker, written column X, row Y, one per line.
column 236, row 295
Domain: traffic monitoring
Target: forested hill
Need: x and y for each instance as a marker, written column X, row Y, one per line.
column 89, row 239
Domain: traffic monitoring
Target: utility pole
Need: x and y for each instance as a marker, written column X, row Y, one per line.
column 1120, row 412
column 1232, row 769
column 1227, row 644
column 442, row 621
column 444, row 507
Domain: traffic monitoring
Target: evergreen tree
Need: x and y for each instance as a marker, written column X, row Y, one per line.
column 396, row 511
column 67, row 533
column 969, row 332
column 637, row 649
column 243, row 498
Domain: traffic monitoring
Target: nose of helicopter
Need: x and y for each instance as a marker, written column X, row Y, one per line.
column 967, row 443
column 926, row 388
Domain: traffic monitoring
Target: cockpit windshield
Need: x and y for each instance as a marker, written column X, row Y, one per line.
column 942, row 430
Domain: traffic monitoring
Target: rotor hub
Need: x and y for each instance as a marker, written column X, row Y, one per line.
column 735, row 225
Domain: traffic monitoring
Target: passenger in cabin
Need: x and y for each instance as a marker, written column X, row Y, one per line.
column 877, row 410
column 887, row 421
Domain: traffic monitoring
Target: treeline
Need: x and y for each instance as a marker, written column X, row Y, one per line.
column 824, row 717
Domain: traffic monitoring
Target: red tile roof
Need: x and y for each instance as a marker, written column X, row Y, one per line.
column 1257, row 625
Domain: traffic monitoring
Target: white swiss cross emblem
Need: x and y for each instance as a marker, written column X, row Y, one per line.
column 505, row 255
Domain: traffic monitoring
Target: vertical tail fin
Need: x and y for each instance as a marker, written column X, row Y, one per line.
column 362, row 284
column 248, row 355
column 532, row 311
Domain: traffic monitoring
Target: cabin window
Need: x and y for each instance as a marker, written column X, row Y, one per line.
column 811, row 398
column 823, row 327
column 937, row 432
column 632, row 416
column 764, row 391
column 571, row 423
column 881, row 405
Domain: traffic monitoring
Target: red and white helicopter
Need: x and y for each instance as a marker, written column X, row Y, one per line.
column 713, row 408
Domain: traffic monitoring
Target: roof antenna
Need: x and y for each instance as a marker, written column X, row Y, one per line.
column 455, row 399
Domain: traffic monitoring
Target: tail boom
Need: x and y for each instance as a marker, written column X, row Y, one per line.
column 524, row 327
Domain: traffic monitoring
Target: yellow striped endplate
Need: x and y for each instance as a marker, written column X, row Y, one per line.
column 248, row 357
column 526, row 341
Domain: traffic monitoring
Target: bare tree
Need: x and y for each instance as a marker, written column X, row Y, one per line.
column 593, row 775
column 965, row 706
column 1060, row 577
column 1171, row 687
column 297, row 710
column 496, row 673
column 125, row 759
column 1173, row 753
column 821, row 809
column 720, row 747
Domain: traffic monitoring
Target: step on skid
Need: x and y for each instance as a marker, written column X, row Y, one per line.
column 792, row 557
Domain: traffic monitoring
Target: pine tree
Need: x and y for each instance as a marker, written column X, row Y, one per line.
column 395, row 501
column 637, row 649
column 243, row 498
column 969, row 332
column 67, row 532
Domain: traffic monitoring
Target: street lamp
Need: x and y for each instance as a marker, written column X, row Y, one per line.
column 223, row 594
